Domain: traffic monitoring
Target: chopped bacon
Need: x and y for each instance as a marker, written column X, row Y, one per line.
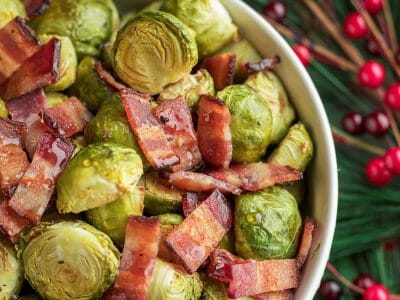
column 213, row 131
column 35, row 8
column 40, row 70
column 36, row 187
column 11, row 132
column 18, row 42
column 10, row 222
column 176, row 120
column 194, row 240
column 151, row 138
column 33, row 135
column 190, row 201
column 198, row 182
column 306, row 242
column 107, row 77
column 67, row 118
column 218, row 259
column 262, row 65
column 222, row 68
column 281, row 295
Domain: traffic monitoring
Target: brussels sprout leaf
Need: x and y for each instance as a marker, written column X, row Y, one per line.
column 35, row 8
column 10, row 222
column 305, row 244
column 222, row 68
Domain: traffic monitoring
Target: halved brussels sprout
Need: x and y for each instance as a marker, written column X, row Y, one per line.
column 113, row 217
column 69, row 260
column 54, row 99
column 11, row 271
column 9, row 9
column 190, row 87
column 267, row 224
column 268, row 85
column 296, row 150
column 208, row 18
column 97, row 175
column 3, row 110
column 251, row 122
column 169, row 282
column 154, row 50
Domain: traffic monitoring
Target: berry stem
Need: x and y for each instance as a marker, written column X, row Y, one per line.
column 343, row 280
column 390, row 25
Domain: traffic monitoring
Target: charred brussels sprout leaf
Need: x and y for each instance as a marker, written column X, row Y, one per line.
column 3, row 110
column 9, row 9
column 11, row 271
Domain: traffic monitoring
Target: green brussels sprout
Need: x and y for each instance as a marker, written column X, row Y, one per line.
column 251, row 122
column 113, row 217
column 108, row 50
column 267, row 224
column 215, row 290
column 9, row 9
column 97, row 175
column 268, row 85
column 88, row 87
column 154, row 50
column 115, row 20
column 296, row 150
column 3, row 110
column 79, row 142
column 69, row 260
column 228, row 241
column 11, row 271
column 169, row 282
column 88, row 23
column 190, row 87
column 54, row 99
column 208, row 18
column 159, row 197
column 68, row 63
column 168, row 222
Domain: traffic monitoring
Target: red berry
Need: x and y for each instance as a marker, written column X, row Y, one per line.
column 377, row 123
column 377, row 173
column 373, row 6
column 392, row 96
column 364, row 281
column 330, row 290
column 392, row 160
column 372, row 46
column 303, row 53
column 353, row 123
column 275, row 10
column 354, row 26
column 371, row 74
column 376, row 292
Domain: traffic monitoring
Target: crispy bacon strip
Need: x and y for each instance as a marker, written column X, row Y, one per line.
column 194, row 240
column 190, row 201
column 35, row 8
column 198, row 182
column 262, row 65
column 282, row 295
column 222, row 68
column 33, row 135
column 67, row 118
column 11, row 132
column 18, row 42
column 213, row 131
column 107, row 77
column 176, row 120
column 10, row 222
column 151, row 138
column 306, row 242
column 218, row 259
column 40, row 70
column 36, row 187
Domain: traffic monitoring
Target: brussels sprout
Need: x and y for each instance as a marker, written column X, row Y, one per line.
column 168, row 282
column 11, row 271
column 113, row 217
column 9, row 9
column 296, row 150
column 154, row 50
column 267, row 224
column 3, row 110
column 268, row 85
column 190, row 87
column 88, row 87
column 228, row 241
column 159, row 198
column 68, row 260
column 54, row 99
column 68, row 63
column 115, row 20
column 79, row 143
column 251, row 122
column 88, row 23
column 97, row 175
column 168, row 222
column 208, row 18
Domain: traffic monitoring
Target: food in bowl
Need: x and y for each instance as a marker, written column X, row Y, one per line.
column 171, row 168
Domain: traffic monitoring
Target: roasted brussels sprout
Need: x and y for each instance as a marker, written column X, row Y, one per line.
column 3, row 110
column 208, row 18
column 11, row 271
column 169, row 221
column 154, row 50
column 268, row 85
column 88, row 23
column 68, row 260
column 115, row 20
column 267, row 224
column 113, row 217
column 53, row 99
column 168, row 282
column 9, row 9
column 228, row 241
column 190, row 87
column 97, row 175
column 251, row 122
column 296, row 149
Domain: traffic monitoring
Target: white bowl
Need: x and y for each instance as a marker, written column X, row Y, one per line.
column 322, row 180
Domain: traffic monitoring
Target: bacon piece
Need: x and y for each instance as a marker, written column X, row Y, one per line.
column 18, row 42
column 33, row 135
column 107, row 77
column 151, row 138
column 213, row 131
column 67, row 118
column 262, row 65
column 222, row 68
column 218, row 259
column 176, row 120
column 190, row 201
column 281, row 295
column 306, row 242
column 40, row 70
column 198, row 182
column 11, row 132
column 36, row 187
column 10, row 222
column 35, row 8
column 194, row 240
